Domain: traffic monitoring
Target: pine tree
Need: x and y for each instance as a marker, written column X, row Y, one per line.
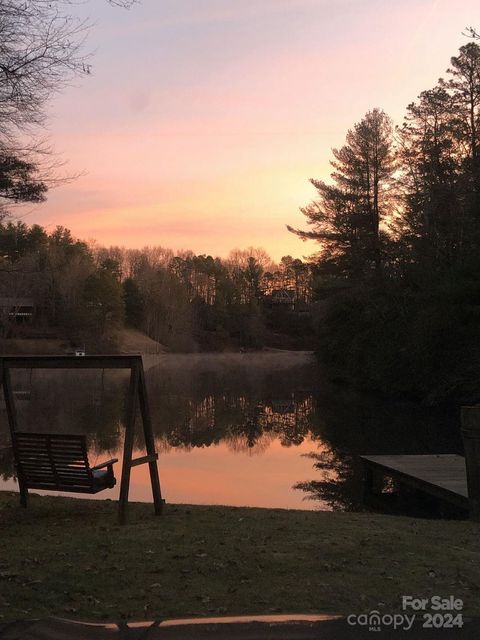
column 431, row 166
column 349, row 216
column 464, row 87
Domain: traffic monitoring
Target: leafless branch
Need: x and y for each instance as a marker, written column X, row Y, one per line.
column 471, row 32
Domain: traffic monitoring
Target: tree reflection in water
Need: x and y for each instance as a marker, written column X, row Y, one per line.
column 247, row 404
column 216, row 401
column 353, row 424
column 243, row 407
column 341, row 483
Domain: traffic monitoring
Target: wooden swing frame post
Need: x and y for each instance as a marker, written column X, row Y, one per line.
column 137, row 397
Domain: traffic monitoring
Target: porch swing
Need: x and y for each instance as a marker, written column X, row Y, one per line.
column 59, row 462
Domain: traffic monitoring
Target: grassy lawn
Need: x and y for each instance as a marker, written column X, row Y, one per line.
column 69, row 558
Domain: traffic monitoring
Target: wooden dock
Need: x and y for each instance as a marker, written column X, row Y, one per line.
column 442, row 476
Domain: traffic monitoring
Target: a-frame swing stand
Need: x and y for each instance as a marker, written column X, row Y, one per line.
column 137, row 397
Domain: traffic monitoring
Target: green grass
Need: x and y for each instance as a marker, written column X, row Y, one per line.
column 69, row 558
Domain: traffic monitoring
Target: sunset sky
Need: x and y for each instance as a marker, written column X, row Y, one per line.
column 203, row 119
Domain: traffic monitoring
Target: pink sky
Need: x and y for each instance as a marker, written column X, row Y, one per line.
column 203, row 121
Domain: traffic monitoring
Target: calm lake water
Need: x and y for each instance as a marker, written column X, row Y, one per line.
column 261, row 429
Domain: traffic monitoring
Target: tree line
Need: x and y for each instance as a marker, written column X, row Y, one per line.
column 398, row 227
column 85, row 292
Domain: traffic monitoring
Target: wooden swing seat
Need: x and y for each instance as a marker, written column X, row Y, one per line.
column 59, row 462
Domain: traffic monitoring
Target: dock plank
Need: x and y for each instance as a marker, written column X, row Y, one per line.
column 441, row 475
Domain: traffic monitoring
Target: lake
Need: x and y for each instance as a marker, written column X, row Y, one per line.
column 255, row 429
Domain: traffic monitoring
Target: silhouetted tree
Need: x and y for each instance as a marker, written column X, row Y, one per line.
column 431, row 172
column 19, row 181
column 347, row 217
column 464, row 85
column 102, row 296
column 41, row 49
column 134, row 303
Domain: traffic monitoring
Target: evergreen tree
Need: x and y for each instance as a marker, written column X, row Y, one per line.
column 349, row 215
column 464, row 85
column 134, row 303
column 433, row 227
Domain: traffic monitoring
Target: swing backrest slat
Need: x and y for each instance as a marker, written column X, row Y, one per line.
column 53, row 461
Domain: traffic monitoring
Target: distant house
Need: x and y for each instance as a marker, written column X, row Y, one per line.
column 281, row 298
column 19, row 310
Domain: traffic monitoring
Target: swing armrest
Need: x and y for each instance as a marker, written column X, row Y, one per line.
column 108, row 463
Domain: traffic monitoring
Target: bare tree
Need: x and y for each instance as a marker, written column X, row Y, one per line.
column 41, row 50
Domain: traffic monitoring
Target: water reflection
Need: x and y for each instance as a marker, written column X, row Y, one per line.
column 352, row 424
column 240, row 429
column 236, row 426
column 208, row 401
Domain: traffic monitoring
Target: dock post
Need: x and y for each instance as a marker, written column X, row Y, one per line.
column 367, row 482
column 471, row 439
